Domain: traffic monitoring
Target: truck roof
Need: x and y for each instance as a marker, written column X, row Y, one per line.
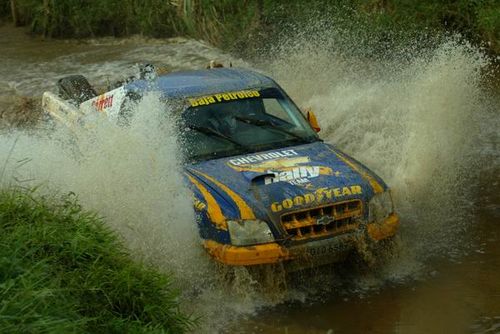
column 202, row 82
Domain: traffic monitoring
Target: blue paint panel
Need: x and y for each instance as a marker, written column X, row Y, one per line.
column 260, row 196
column 209, row 231
column 206, row 228
column 228, row 207
column 246, row 176
column 202, row 82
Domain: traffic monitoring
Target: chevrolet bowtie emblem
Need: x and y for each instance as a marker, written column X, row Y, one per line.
column 324, row 220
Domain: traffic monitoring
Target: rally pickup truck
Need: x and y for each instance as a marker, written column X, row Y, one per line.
column 266, row 188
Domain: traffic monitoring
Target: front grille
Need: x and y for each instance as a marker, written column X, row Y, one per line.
column 332, row 219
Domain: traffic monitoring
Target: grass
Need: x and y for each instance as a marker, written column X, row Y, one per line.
column 63, row 271
column 243, row 24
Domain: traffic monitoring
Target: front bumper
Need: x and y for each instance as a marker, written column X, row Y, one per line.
column 313, row 253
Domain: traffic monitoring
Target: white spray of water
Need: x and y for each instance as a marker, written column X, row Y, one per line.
column 130, row 175
column 415, row 121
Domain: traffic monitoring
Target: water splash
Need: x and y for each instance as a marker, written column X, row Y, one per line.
column 414, row 120
column 130, row 176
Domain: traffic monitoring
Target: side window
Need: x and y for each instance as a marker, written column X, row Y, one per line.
column 273, row 107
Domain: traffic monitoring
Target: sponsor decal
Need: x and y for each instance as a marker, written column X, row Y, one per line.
column 285, row 166
column 249, row 160
column 103, row 102
column 318, row 196
column 296, row 175
column 224, row 97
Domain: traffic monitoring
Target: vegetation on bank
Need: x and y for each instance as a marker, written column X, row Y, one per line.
column 226, row 22
column 63, row 271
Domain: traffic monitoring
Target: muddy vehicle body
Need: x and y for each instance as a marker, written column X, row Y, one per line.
column 266, row 188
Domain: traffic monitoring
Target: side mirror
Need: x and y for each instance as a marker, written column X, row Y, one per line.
column 311, row 118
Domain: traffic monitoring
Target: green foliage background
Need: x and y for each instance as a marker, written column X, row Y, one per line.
column 226, row 22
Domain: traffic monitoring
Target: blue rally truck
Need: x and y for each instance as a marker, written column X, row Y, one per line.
column 266, row 188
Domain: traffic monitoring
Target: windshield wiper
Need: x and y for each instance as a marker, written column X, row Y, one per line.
column 268, row 124
column 215, row 133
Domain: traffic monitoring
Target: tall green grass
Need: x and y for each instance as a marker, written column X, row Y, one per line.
column 63, row 271
column 212, row 20
column 4, row 9
column 80, row 18
column 243, row 23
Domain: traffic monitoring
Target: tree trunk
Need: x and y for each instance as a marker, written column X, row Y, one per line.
column 46, row 17
column 13, row 11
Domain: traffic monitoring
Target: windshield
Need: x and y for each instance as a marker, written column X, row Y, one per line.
column 233, row 123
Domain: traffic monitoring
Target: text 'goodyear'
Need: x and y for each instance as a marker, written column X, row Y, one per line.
column 318, row 196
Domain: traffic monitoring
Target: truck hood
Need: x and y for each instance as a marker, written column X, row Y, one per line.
column 266, row 184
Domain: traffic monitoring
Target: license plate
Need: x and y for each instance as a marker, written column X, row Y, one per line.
column 322, row 250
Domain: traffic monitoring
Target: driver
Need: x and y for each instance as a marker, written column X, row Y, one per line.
column 224, row 120
column 224, row 116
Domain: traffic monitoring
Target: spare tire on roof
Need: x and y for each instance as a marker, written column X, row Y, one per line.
column 76, row 88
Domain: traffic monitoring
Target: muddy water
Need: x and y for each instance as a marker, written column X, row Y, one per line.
column 460, row 296
column 427, row 125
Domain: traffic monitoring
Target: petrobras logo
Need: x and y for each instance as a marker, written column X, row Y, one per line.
column 103, row 102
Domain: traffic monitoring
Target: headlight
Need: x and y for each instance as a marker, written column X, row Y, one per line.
column 249, row 232
column 380, row 207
